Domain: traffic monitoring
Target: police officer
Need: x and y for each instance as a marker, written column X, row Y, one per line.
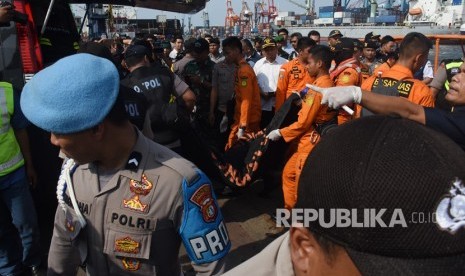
column 158, row 83
column 125, row 202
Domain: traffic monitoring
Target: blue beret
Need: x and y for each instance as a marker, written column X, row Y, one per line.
column 74, row 94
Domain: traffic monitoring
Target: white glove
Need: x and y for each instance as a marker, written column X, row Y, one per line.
column 224, row 124
column 336, row 97
column 274, row 135
column 240, row 133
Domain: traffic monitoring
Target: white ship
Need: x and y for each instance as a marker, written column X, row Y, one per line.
column 430, row 17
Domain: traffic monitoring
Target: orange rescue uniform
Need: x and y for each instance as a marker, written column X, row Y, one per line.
column 304, row 135
column 346, row 74
column 418, row 92
column 248, row 111
column 293, row 76
column 381, row 68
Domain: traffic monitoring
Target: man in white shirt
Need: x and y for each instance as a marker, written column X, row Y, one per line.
column 178, row 45
column 267, row 71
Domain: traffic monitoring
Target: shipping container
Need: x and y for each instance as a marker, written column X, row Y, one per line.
column 337, row 20
column 348, row 20
column 286, row 13
column 323, row 21
column 337, row 14
column 371, row 20
column 456, row 2
column 326, row 15
column 387, row 19
column 326, row 9
column 289, row 18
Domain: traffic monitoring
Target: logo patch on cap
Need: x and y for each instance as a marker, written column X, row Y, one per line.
column 127, row 245
column 130, row 264
column 450, row 213
column 204, row 199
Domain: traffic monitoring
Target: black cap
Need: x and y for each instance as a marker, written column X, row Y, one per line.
column 201, row 45
column 390, row 163
column 269, row 42
column 372, row 36
column 136, row 50
column 334, row 33
column 370, row 44
column 344, row 44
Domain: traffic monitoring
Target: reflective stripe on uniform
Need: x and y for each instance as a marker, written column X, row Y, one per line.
column 12, row 162
column 10, row 155
column 45, row 41
column 454, row 64
column 76, row 46
column 4, row 117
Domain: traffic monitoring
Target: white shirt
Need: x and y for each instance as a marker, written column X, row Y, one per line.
column 267, row 76
column 173, row 54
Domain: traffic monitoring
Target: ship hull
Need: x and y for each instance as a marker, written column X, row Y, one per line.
column 361, row 30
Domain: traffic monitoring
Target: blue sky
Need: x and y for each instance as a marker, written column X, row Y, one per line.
column 217, row 10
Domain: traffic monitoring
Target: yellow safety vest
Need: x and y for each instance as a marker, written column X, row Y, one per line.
column 10, row 152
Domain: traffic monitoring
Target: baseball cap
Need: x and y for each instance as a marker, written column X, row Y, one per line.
column 372, row 35
column 370, row 44
column 344, row 44
column 73, row 94
column 201, row 45
column 136, row 50
column 390, row 163
column 269, row 42
column 335, row 33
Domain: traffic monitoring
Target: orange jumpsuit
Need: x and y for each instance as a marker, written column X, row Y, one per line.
column 293, row 76
column 346, row 75
column 303, row 134
column 419, row 92
column 382, row 68
column 248, row 110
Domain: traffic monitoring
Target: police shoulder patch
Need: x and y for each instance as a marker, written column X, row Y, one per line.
column 203, row 229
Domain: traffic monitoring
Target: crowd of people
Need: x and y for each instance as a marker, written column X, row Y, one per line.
column 125, row 203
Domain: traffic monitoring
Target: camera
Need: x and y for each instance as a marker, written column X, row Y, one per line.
column 17, row 16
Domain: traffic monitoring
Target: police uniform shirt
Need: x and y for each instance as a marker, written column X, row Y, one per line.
column 178, row 66
column 451, row 124
column 223, row 78
column 274, row 260
column 137, row 221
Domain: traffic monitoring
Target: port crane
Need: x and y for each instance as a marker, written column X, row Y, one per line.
column 309, row 6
